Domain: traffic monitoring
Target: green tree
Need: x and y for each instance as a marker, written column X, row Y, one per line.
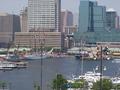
column 116, row 86
column 106, row 85
column 3, row 85
column 78, row 83
column 59, row 83
column 36, row 86
column 81, row 83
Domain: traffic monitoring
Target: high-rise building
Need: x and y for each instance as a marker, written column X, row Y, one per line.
column 111, row 18
column 91, row 16
column 75, row 19
column 24, row 20
column 9, row 24
column 117, row 22
column 44, row 15
column 66, row 19
column 95, row 24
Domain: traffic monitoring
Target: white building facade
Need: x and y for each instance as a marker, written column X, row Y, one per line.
column 44, row 14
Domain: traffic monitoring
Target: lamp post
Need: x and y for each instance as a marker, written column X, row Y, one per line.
column 69, row 41
column 41, row 53
column 101, row 68
column 42, row 42
column 82, row 46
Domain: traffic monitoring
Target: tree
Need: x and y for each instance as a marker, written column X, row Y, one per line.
column 36, row 86
column 59, row 83
column 81, row 83
column 106, row 85
column 116, row 86
column 3, row 85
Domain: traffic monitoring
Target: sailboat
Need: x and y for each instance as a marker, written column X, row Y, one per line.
column 40, row 54
column 14, row 56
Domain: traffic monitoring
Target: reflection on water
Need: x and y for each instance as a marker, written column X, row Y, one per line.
column 23, row 79
column 116, row 61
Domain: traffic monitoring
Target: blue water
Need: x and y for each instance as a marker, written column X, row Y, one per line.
column 23, row 79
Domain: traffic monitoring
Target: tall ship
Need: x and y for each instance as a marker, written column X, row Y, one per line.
column 37, row 55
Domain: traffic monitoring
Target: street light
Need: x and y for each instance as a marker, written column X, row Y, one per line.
column 68, row 39
column 97, row 68
column 42, row 43
column 101, row 69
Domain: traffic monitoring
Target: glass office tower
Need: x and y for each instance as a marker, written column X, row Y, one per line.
column 93, row 23
column 91, row 16
column 111, row 15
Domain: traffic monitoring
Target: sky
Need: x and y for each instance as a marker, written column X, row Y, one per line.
column 14, row 6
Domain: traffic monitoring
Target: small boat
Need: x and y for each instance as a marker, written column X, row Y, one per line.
column 6, row 69
column 84, row 54
column 13, row 57
column 7, row 65
column 78, row 56
column 90, row 76
column 21, row 64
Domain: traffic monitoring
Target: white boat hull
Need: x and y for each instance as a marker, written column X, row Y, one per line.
column 35, row 57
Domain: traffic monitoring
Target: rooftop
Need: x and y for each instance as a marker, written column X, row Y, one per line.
column 3, row 14
column 111, row 10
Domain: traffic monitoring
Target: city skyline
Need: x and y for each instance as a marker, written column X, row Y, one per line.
column 14, row 6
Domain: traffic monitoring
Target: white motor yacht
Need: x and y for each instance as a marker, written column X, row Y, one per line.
column 116, row 80
column 92, row 76
column 6, row 64
column 89, row 76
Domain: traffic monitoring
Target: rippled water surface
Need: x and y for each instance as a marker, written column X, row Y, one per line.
column 23, row 79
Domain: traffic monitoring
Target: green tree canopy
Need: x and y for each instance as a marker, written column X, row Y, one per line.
column 36, row 86
column 3, row 85
column 59, row 83
column 106, row 85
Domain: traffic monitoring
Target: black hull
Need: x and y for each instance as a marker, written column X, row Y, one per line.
column 78, row 57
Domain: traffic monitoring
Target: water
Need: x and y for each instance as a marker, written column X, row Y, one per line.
column 24, row 79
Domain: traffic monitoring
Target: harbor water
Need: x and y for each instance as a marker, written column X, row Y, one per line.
column 24, row 79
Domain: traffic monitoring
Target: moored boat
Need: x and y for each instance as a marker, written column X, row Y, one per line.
column 82, row 54
column 89, row 76
column 12, row 57
column 21, row 64
column 115, row 80
column 6, row 64
column 35, row 56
